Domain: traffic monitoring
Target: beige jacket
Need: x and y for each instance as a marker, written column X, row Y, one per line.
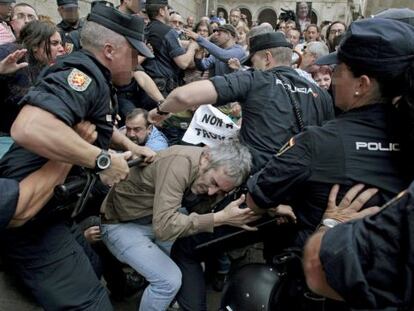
column 157, row 190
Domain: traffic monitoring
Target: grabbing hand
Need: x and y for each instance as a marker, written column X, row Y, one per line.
column 234, row 64
column 235, row 216
column 10, row 65
column 284, row 213
column 191, row 34
column 118, row 170
column 156, row 118
column 87, row 131
column 351, row 204
column 92, row 234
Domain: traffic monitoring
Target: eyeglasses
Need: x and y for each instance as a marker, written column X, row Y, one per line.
column 29, row 17
column 336, row 31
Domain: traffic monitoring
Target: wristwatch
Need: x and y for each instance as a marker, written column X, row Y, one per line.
column 102, row 161
column 330, row 222
column 162, row 113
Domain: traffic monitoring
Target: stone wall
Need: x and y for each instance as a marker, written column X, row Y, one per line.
column 49, row 7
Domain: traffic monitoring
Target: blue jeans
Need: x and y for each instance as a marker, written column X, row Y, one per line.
column 135, row 244
column 5, row 144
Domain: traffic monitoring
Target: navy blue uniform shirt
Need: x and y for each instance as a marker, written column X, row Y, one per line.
column 166, row 46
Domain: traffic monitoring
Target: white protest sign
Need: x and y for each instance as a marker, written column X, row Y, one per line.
column 210, row 126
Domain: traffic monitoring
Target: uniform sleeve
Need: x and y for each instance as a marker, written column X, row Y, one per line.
column 362, row 258
column 173, row 44
column 171, row 181
column 233, row 87
column 9, row 195
column 284, row 172
column 66, row 94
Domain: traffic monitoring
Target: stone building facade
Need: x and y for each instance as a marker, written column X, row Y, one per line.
column 255, row 10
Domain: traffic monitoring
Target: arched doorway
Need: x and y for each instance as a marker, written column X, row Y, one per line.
column 314, row 18
column 225, row 14
column 248, row 15
column 268, row 16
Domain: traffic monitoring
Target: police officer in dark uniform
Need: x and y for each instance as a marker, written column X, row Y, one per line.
column 69, row 11
column 276, row 102
column 166, row 68
column 363, row 144
column 171, row 59
column 366, row 262
column 49, row 253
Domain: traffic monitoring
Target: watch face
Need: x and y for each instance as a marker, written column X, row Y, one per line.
column 104, row 162
column 330, row 223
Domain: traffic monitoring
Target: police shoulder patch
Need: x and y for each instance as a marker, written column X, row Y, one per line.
column 68, row 47
column 286, row 147
column 78, row 80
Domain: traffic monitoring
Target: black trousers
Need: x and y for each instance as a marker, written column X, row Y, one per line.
column 57, row 265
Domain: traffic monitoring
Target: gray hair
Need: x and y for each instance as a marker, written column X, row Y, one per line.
column 234, row 157
column 259, row 30
column 94, row 36
column 282, row 55
column 317, row 48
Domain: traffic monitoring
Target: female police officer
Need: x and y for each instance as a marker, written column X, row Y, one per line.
column 374, row 66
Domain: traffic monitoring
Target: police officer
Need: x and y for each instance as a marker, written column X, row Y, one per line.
column 276, row 102
column 166, row 68
column 168, row 65
column 49, row 254
column 366, row 262
column 363, row 144
column 69, row 12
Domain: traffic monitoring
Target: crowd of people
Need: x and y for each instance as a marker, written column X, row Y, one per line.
column 325, row 115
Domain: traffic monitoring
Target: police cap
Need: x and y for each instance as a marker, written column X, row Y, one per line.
column 403, row 15
column 266, row 41
column 377, row 45
column 129, row 26
column 67, row 3
column 163, row 2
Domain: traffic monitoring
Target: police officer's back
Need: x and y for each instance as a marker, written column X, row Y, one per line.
column 276, row 102
column 166, row 68
column 361, row 145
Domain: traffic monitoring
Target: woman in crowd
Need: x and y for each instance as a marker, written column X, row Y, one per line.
column 43, row 44
column 242, row 31
column 203, row 29
column 322, row 76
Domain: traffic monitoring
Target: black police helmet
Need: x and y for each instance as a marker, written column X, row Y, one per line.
column 251, row 288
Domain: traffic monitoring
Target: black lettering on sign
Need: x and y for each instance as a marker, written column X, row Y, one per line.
column 198, row 131
column 213, row 120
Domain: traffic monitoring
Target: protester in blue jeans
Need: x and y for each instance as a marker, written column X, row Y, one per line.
column 141, row 216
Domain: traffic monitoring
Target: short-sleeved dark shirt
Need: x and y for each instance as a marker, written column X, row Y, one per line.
column 360, row 146
column 370, row 261
column 166, row 46
column 76, row 88
column 9, row 195
column 268, row 115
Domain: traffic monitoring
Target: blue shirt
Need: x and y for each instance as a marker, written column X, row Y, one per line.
column 156, row 140
column 217, row 61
